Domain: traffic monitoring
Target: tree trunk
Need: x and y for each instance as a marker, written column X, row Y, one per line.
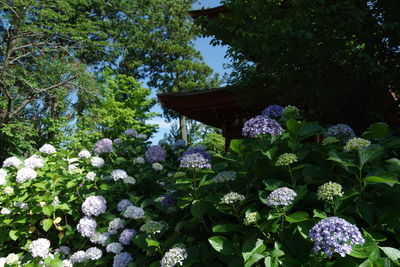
column 182, row 128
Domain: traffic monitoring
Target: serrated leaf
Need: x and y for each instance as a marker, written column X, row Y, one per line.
column 252, row 246
column 222, row 245
column 392, row 253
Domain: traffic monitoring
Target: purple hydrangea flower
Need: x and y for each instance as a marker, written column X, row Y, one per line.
column 342, row 132
column 104, row 145
column 281, row 197
column 155, row 154
column 167, row 201
column 273, row 111
column 261, row 125
column 122, row 259
column 131, row 133
column 334, row 234
column 126, row 236
column 194, row 160
column 199, row 150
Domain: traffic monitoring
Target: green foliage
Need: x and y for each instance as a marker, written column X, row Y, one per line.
column 214, row 142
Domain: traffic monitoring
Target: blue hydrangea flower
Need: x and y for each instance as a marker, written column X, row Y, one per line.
column 334, row 234
column 261, row 125
column 180, row 143
column 104, row 145
column 194, row 160
column 155, row 154
column 273, row 111
column 283, row 196
column 342, row 132
column 199, row 150
column 167, row 201
column 131, row 133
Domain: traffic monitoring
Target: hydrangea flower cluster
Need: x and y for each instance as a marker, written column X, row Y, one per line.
column 123, row 204
column 78, row 257
column 133, row 212
column 356, row 144
column 114, row 247
column 122, row 259
column 328, row 190
column 231, row 198
column 100, row 239
column 94, row 206
column 97, row 162
column 3, row 175
column 196, row 150
column 12, row 259
column 272, row 111
column 251, row 218
column 152, row 227
column 129, row 180
column 157, row 166
column 281, row 197
column 90, row 176
column 126, row 236
column 40, row 248
column 335, row 234
column 142, row 136
column 93, row 253
column 224, row 176
column 25, row 174
column 261, row 125
column 174, row 256
column 179, row 143
column 34, row 162
column 131, row 133
column 194, row 160
column 342, row 132
column 115, row 225
column 139, row 160
column 12, row 162
column 155, row 154
column 84, row 154
column 291, row 112
column 118, row 174
column 104, row 145
column 47, row 149
column 286, row 159
column 87, row 226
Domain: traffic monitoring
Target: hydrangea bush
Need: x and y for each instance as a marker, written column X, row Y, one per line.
column 291, row 194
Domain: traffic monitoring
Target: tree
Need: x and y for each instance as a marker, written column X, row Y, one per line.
column 338, row 57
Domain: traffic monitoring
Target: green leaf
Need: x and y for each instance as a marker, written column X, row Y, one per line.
column 309, row 129
column 226, row 228
column 235, row 145
column 369, row 153
column 365, row 211
column 47, row 223
column 298, row 216
column 14, row 234
column 199, row 208
column 293, row 126
column 152, row 243
column 333, row 156
column 379, row 129
column 319, row 214
column 222, row 245
column 252, row 246
column 71, row 184
column 47, row 210
column 365, row 250
column 392, row 253
column 376, row 179
column 253, row 259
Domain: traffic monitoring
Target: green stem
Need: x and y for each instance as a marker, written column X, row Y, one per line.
column 292, row 177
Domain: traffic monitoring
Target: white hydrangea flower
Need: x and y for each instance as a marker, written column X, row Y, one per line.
column 5, row 211
column 174, row 256
column 34, row 161
column 87, row 226
column 3, row 175
column 142, row 136
column 157, row 166
column 21, row 205
column 114, row 247
column 84, row 154
column 56, row 201
column 115, row 225
column 232, row 198
column 118, row 141
column 97, row 162
column 90, row 176
column 133, row 212
column 139, row 160
column 94, row 206
column 94, row 253
column 78, row 257
column 129, row 180
column 67, row 263
column 100, row 239
column 47, row 149
column 40, row 248
column 123, row 204
column 63, row 250
column 72, row 167
column 25, row 174
column 12, row 162
column 2, row 262
column 118, row 174
column 12, row 259
column 152, row 227
column 8, row 190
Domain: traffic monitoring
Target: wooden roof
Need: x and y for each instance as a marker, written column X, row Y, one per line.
column 209, row 12
column 217, row 107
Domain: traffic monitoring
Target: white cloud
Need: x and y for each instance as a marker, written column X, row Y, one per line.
column 160, row 122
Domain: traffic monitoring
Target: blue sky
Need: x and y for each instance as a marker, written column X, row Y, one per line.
column 213, row 56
